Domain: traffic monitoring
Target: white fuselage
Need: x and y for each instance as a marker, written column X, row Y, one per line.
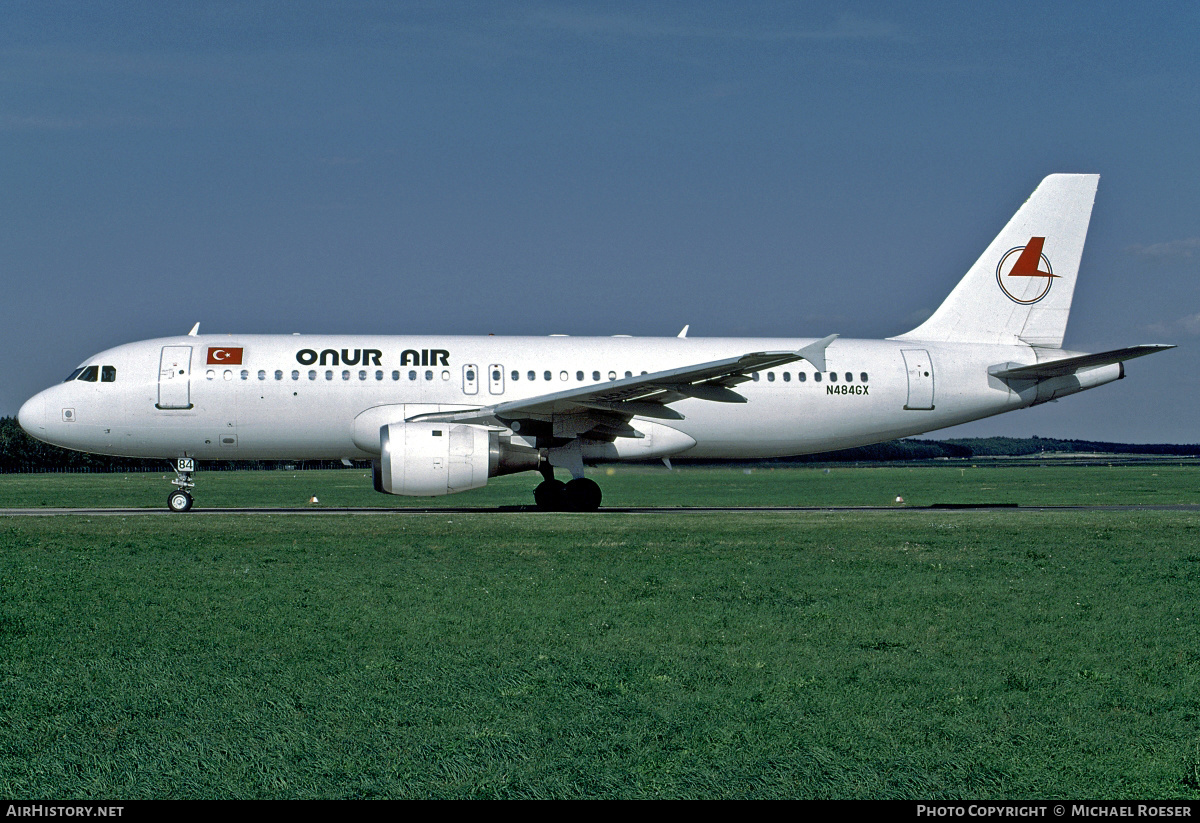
column 299, row 396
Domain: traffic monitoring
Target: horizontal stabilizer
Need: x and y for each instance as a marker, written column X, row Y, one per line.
column 1070, row 365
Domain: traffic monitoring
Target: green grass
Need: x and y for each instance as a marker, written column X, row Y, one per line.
column 626, row 486
column 893, row 654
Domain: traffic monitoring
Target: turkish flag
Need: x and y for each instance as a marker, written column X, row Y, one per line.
column 225, row 356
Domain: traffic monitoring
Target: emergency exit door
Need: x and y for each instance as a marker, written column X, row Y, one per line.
column 470, row 382
column 496, row 378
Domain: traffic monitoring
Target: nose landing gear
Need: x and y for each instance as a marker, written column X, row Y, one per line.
column 180, row 500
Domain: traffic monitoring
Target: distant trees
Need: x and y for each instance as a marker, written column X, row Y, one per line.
column 21, row 453
column 892, row 450
column 1015, row 447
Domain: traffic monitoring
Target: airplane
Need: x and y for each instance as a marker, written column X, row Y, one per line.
column 443, row 414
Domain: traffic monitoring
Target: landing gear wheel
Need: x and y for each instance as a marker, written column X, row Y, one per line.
column 582, row 495
column 179, row 501
column 550, row 495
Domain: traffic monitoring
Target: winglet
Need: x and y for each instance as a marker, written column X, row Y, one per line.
column 815, row 352
column 684, row 332
column 195, row 330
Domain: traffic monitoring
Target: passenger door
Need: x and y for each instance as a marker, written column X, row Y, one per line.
column 920, row 379
column 175, row 378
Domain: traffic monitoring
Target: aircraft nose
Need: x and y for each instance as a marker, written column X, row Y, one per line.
column 32, row 416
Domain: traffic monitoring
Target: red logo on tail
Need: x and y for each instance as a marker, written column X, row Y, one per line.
column 1030, row 262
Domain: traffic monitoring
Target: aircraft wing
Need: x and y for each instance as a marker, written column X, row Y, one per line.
column 1070, row 365
column 610, row 405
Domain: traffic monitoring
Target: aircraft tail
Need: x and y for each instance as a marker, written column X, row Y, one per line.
column 1020, row 290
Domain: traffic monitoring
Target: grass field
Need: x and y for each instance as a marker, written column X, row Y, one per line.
column 629, row 486
column 951, row 654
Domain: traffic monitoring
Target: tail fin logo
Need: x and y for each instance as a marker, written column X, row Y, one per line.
column 1024, row 273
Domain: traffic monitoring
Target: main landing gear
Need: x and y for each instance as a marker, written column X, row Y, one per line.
column 578, row 495
column 180, row 500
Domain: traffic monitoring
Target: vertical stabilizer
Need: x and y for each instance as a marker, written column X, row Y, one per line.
column 1020, row 290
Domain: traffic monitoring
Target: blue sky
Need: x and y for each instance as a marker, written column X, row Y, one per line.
column 774, row 169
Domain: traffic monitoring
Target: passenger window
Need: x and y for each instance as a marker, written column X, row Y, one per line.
column 833, row 377
column 770, row 377
column 429, row 374
column 345, row 374
column 755, row 376
column 863, row 377
column 362, row 374
column 496, row 375
column 516, row 375
column 379, row 374
column 562, row 375
column 396, row 375
column 108, row 374
column 630, row 374
column 89, row 374
column 262, row 375
column 532, row 375
column 817, row 376
column 279, row 374
column 548, row 376
column 412, row 374
column 329, row 374
column 312, row 374
column 595, row 377
column 579, row 376
column 801, row 376
column 849, row 377
column 787, row 377
column 295, row 374
column 612, row 375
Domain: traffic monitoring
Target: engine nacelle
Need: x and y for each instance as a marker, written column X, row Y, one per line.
column 430, row 459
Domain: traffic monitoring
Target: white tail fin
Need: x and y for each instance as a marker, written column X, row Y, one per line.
column 1020, row 290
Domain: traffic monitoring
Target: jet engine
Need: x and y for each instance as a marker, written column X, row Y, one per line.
column 430, row 459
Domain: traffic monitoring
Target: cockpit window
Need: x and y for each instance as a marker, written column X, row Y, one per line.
column 108, row 374
column 74, row 374
column 89, row 374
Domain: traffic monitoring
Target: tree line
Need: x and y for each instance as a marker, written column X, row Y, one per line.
column 21, row 453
